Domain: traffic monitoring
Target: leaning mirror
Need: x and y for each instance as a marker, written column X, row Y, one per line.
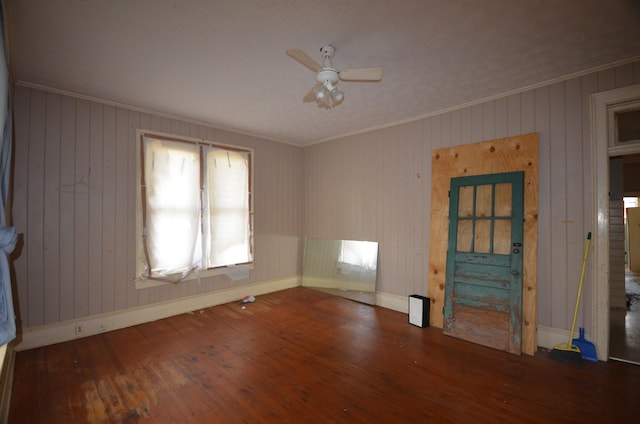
column 347, row 268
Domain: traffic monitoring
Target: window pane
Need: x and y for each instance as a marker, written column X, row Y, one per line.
column 465, row 236
column 503, row 199
column 502, row 236
column 628, row 125
column 483, row 200
column 228, row 224
column 465, row 201
column 482, row 242
column 172, row 175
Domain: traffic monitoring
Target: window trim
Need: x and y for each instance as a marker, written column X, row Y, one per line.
column 236, row 271
column 616, row 146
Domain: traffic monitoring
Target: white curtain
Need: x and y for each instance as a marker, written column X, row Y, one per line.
column 172, row 176
column 227, row 207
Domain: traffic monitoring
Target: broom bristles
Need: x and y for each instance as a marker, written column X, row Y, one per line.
column 566, row 353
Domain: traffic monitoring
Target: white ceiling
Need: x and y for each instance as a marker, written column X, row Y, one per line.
column 223, row 62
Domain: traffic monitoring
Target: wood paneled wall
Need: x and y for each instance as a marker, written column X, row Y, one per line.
column 74, row 196
column 74, row 207
column 376, row 185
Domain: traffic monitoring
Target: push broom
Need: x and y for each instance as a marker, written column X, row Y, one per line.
column 569, row 352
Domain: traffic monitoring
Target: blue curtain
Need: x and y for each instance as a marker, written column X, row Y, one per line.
column 8, row 235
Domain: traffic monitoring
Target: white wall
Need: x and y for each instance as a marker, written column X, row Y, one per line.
column 376, row 186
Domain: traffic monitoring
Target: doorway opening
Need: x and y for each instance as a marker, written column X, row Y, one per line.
column 624, row 248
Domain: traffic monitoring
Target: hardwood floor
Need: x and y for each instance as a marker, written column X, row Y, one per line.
column 624, row 326
column 301, row 355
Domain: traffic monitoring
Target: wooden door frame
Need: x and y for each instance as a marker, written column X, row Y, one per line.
column 519, row 153
column 601, row 151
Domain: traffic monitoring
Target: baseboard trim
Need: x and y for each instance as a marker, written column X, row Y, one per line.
column 548, row 337
column 6, row 381
column 96, row 324
column 393, row 301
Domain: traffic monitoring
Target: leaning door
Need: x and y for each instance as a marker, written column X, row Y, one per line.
column 483, row 290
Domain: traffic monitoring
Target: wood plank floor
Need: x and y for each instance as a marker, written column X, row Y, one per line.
column 301, row 355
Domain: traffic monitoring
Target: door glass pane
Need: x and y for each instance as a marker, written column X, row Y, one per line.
column 483, row 236
column 465, row 201
column 503, row 199
column 483, row 200
column 465, row 236
column 502, row 236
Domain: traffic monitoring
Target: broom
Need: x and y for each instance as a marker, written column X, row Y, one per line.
column 569, row 352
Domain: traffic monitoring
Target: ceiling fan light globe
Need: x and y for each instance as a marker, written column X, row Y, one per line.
column 321, row 94
column 338, row 96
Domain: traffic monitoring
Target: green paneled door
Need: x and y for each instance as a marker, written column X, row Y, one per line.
column 483, row 292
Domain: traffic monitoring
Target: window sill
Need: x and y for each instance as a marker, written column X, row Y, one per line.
column 235, row 272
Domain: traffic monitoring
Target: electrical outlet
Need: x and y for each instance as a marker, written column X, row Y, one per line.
column 79, row 329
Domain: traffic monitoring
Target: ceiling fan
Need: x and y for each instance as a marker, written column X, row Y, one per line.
column 325, row 93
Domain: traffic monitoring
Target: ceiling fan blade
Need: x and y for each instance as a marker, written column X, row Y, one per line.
column 309, row 97
column 304, row 59
column 361, row 74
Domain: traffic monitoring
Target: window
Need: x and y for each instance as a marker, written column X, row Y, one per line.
column 195, row 207
column 627, row 126
column 624, row 126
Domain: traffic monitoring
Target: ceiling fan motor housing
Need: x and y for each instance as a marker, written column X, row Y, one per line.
column 327, row 74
